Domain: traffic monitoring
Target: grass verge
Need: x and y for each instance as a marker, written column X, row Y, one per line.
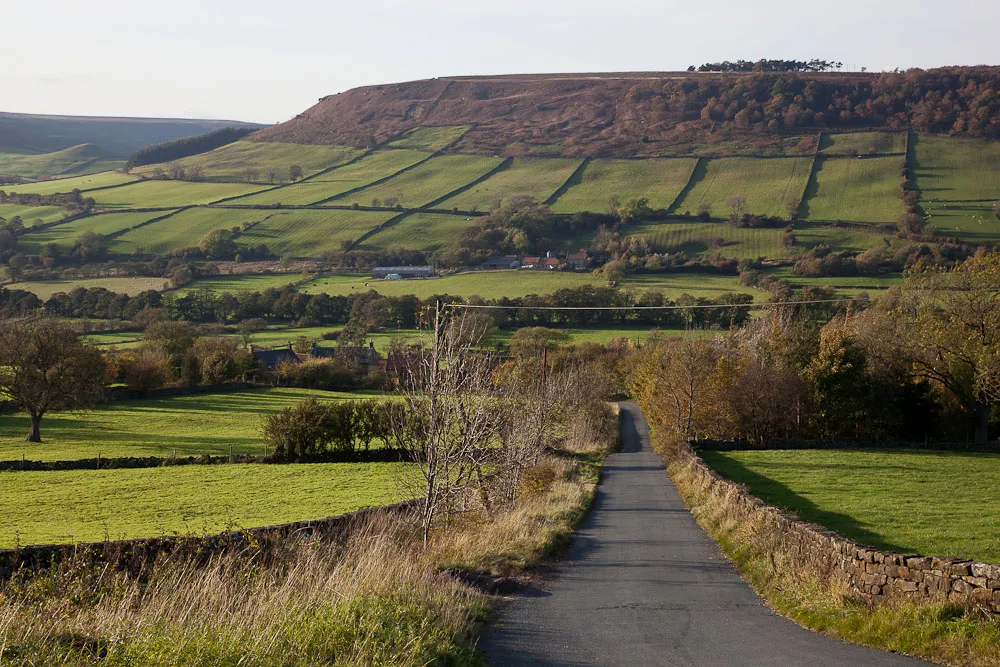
column 944, row 632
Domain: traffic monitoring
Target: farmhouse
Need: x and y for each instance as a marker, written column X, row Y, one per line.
column 577, row 260
column 505, row 262
column 271, row 359
column 403, row 271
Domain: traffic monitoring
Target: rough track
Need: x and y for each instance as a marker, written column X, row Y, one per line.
column 644, row 585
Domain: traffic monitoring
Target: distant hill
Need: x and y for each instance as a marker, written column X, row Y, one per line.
column 118, row 137
column 655, row 113
column 73, row 161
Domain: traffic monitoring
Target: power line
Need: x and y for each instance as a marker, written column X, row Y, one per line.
column 674, row 307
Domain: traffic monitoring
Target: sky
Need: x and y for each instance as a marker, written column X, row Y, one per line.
column 267, row 61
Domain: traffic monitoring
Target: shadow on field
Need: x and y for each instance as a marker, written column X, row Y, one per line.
column 779, row 495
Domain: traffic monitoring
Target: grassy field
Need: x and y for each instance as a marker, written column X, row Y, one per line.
column 421, row 231
column 839, row 238
column 428, row 181
column 366, row 170
column 768, row 185
column 660, row 181
column 707, row 238
column 88, row 506
column 130, row 285
column 230, row 162
column 970, row 222
column 512, row 284
column 118, row 339
column 932, row 503
column 311, row 233
column 151, row 194
column 430, row 138
column 76, row 160
column 65, row 235
column 845, row 285
column 863, row 143
column 29, row 214
column 185, row 228
column 855, row 190
column 192, row 425
column 956, row 169
column 538, row 178
column 241, row 283
column 83, row 183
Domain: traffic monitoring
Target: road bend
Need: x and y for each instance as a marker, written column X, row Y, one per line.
column 644, row 585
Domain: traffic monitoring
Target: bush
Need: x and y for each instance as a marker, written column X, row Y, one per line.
column 311, row 428
column 297, row 432
column 328, row 374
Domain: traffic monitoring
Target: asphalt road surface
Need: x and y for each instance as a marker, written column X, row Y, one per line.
column 644, row 585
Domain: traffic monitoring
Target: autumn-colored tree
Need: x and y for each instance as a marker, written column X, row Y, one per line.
column 45, row 368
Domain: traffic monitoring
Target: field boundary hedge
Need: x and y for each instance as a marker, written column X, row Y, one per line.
column 138, row 554
column 782, row 443
column 325, row 170
column 575, row 177
column 378, row 181
column 831, row 558
column 385, row 455
column 693, row 179
column 503, row 166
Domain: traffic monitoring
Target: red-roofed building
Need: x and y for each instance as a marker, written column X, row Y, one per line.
column 578, row 260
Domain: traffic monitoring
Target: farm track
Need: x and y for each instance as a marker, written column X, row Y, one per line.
column 644, row 585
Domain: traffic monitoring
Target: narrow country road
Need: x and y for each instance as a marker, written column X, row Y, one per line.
column 644, row 585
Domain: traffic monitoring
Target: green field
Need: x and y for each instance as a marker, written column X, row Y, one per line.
column 512, row 284
column 310, row 233
column 131, row 285
column 66, row 234
column 82, row 183
column 76, row 160
column 840, row 238
column 118, row 339
column 90, row 506
column 844, row 285
column 707, row 238
column 192, row 425
column 166, row 194
column 932, row 503
column 230, row 162
column 956, row 169
column 855, row 190
column 538, row 178
column 430, row 138
column 976, row 223
column 426, row 182
column 768, row 185
column 863, row 143
column 421, row 231
column 184, row 229
column 29, row 214
column 659, row 180
column 241, row 283
column 366, row 170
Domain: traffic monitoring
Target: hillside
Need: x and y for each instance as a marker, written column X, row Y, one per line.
column 73, row 161
column 631, row 114
column 120, row 137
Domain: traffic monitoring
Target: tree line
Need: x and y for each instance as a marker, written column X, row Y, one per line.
column 962, row 101
column 922, row 362
column 186, row 147
column 766, row 65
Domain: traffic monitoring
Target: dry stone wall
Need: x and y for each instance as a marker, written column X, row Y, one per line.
column 134, row 555
column 867, row 571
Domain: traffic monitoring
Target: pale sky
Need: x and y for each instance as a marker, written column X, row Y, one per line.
column 266, row 61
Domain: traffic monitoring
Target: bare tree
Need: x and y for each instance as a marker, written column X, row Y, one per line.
column 294, row 172
column 454, row 423
column 737, row 206
column 43, row 367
